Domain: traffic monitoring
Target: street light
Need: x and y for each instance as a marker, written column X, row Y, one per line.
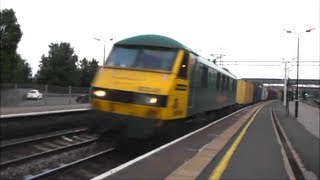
column 104, row 46
column 297, row 98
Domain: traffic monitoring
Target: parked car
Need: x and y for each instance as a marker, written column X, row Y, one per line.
column 84, row 98
column 34, row 94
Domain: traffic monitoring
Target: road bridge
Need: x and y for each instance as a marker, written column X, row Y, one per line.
column 280, row 81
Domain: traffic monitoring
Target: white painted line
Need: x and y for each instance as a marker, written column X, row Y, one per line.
column 287, row 166
column 42, row 113
column 307, row 174
column 123, row 166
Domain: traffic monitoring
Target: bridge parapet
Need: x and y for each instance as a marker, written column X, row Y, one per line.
column 280, row 81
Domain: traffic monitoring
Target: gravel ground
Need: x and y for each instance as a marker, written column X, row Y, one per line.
column 40, row 165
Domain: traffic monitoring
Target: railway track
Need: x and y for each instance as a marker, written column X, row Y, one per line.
column 97, row 164
column 13, row 154
column 28, row 157
column 33, row 147
column 85, row 168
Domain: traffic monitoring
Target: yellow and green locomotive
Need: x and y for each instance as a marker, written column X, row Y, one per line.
column 149, row 81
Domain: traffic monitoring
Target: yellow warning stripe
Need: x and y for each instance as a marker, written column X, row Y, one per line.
column 218, row 171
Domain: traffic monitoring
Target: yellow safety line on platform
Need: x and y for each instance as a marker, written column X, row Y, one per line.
column 218, row 171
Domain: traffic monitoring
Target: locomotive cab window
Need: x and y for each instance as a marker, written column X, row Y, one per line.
column 183, row 71
column 122, row 57
column 141, row 58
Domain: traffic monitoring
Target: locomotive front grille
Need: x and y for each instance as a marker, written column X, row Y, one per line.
column 120, row 96
column 131, row 97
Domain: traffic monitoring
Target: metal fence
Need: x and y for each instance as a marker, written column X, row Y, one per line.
column 15, row 95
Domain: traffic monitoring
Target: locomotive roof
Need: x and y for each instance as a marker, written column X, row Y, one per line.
column 163, row 41
column 216, row 67
column 153, row 40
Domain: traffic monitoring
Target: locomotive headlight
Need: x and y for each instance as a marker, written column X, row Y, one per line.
column 153, row 100
column 99, row 93
column 149, row 100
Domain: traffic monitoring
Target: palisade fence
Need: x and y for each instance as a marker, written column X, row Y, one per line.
column 15, row 95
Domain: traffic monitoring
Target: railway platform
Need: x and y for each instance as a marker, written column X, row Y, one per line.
column 263, row 141
column 308, row 116
column 30, row 109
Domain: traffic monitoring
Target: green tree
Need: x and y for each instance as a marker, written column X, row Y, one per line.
column 22, row 73
column 59, row 67
column 10, row 37
column 87, row 71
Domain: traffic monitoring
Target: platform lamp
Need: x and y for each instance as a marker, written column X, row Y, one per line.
column 104, row 46
column 297, row 94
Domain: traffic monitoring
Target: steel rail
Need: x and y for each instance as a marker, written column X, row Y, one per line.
column 70, row 165
column 4, row 165
column 17, row 143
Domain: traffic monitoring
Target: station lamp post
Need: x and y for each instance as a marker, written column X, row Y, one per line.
column 104, row 47
column 297, row 94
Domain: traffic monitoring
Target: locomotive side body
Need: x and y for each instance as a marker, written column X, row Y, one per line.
column 211, row 87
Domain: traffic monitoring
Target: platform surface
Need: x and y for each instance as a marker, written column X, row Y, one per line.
column 19, row 110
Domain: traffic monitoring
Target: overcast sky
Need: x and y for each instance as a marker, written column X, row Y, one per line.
column 242, row 30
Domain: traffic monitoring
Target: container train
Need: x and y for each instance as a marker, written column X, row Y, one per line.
column 151, row 81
